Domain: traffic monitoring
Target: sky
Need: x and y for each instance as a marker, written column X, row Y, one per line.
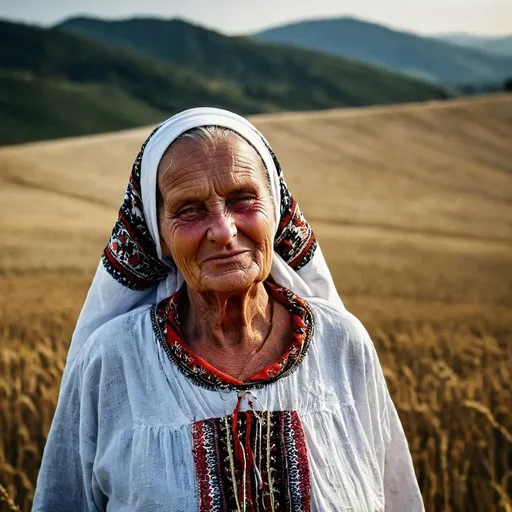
column 479, row 17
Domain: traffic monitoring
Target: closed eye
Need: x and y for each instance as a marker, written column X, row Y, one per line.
column 242, row 198
column 189, row 210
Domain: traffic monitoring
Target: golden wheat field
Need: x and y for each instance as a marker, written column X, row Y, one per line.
column 413, row 208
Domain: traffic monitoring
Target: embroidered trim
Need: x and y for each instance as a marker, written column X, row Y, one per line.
column 295, row 241
column 167, row 327
column 130, row 256
column 271, row 473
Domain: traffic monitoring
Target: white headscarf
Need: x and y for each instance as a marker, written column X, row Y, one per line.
column 133, row 271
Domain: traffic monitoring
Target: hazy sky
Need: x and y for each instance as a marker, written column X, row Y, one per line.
column 491, row 17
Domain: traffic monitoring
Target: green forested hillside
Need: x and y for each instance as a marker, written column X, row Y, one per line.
column 55, row 84
column 56, row 54
column 34, row 108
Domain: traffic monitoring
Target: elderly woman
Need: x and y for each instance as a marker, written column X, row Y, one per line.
column 213, row 366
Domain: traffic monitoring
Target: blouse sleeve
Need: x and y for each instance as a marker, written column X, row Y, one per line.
column 401, row 489
column 66, row 480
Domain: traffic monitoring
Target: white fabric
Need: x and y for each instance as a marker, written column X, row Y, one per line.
column 122, row 437
column 107, row 298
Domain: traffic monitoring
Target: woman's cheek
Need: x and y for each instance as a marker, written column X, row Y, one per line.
column 260, row 228
column 259, row 222
column 186, row 240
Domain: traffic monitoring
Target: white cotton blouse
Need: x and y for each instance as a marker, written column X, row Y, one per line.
column 133, row 433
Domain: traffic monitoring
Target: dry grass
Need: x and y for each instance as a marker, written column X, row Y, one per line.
column 413, row 208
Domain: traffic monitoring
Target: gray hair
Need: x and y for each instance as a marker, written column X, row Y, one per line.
column 207, row 134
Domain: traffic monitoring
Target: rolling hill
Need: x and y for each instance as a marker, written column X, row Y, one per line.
column 403, row 52
column 54, row 83
column 36, row 108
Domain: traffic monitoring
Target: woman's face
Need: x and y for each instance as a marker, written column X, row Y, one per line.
column 217, row 218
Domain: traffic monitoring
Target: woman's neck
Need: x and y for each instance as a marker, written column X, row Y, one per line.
column 229, row 323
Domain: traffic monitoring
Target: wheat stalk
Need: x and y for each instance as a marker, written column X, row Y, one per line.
column 5, row 498
column 486, row 413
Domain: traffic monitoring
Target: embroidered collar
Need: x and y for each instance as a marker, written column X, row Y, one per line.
column 166, row 321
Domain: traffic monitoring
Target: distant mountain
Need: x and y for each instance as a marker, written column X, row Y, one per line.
column 54, row 83
column 496, row 45
column 397, row 51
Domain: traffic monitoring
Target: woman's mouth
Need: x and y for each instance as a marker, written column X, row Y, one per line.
column 225, row 258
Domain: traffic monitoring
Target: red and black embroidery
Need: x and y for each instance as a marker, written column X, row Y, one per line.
column 253, row 461
column 295, row 241
column 167, row 327
column 131, row 257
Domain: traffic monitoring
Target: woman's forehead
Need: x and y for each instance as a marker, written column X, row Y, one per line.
column 228, row 158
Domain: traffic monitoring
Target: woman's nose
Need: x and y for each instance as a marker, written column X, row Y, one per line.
column 222, row 228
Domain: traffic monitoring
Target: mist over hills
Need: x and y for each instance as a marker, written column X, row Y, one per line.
column 429, row 58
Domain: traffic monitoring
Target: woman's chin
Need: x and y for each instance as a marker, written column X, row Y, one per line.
column 228, row 282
